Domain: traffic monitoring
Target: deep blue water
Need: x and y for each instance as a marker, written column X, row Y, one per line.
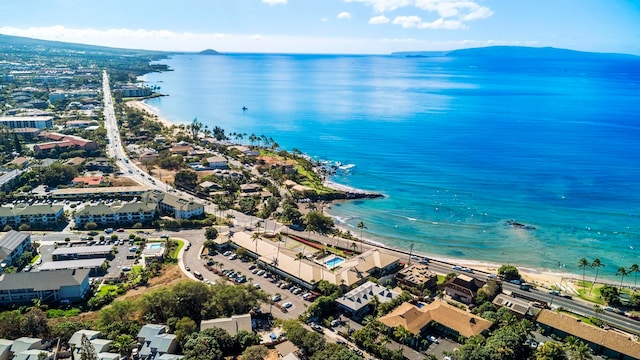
column 458, row 146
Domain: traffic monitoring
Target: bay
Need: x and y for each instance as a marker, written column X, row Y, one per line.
column 457, row 145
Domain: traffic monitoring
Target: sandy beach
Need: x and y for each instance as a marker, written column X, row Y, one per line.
column 141, row 106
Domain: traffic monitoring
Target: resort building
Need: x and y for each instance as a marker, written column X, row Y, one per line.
column 16, row 122
column 174, row 206
column 64, row 141
column 309, row 270
column 27, row 348
column 9, row 179
column 12, row 245
column 154, row 251
column 36, row 216
column 88, row 180
column 519, row 307
column 358, row 302
column 27, row 133
column 609, row 343
column 134, row 91
column 99, row 192
column 156, row 342
column 58, row 95
column 417, row 276
column 231, row 325
column 48, row 286
column 463, row 288
column 438, row 317
column 116, row 215
column 95, row 266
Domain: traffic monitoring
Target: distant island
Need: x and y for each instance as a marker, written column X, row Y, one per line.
column 513, row 52
column 209, row 52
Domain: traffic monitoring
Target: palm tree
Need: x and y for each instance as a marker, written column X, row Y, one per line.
column 634, row 269
column 254, row 238
column 354, row 246
column 597, row 309
column 583, row 263
column 578, row 349
column 440, row 295
column 402, row 334
column 622, row 271
column 299, row 257
column 595, row 264
column 361, row 227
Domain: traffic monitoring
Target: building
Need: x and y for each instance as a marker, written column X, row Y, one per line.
column 154, row 251
column 519, row 307
column 116, row 215
column 26, row 348
column 58, row 95
column 81, row 252
column 231, row 325
column 27, row 133
column 437, row 317
column 417, row 276
column 99, row 192
column 356, row 302
column 217, row 162
column 5, row 349
column 80, row 124
column 175, row 206
column 48, row 286
column 12, row 245
column 609, row 343
column 463, row 288
column 99, row 345
column 10, row 179
column 16, row 122
column 64, row 141
column 95, row 266
column 36, row 216
column 155, row 341
column 134, row 91
column 99, row 164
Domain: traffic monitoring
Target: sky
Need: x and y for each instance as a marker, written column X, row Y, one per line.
column 329, row 26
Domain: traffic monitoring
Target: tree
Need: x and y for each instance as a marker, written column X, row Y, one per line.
column 10, row 324
column 184, row 327
column 35, row 324
column 123, row 344
column 578, row 350
column 211, row 233
column 509, row 272
column 201, row 346
column 551, row 351
column 90, row 226
column 595, row 264
column 611, row 294
column 87, row 351
column 361, row 226
column 187, row 179
column 622, row 271
column 333, row 351
column 243, row 339
column 401, row 333
column 255, row 352
column 583, row 263
column 318, row 223
column 634, row 269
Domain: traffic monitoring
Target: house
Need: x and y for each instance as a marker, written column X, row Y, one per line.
column 27, row 133
column 208, row 186
column 20, row 162
column 155, row 341
column 48, row 286
column 519, row 307
column 463, row 288
column 16, row 122
column 417, row 276
column 74, row 161
column 116, row 214
column 609, row 343
column 217, row 162
column 46, row 147
column 76, row 339
column 437, row 317
column 26, row 348
column 246, row 151
column 64, row 141
column 37, row 216
column 250, row 188
column 180, row 149
column 356, row 302
column 5, row 349
column 149, row 156
column 88, row 180
column 12, row 245
column 99, row 164
column 231, row 325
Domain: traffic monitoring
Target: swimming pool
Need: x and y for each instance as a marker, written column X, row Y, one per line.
column 334, row 261
column 155, row 246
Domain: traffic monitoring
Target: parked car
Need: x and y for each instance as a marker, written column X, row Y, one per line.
column 233, row 256
column 261, row 272
column 186, row 267
column 433, row 339
column 287, row 305
column 227, row 253
column 276, row 297
column 457, row 267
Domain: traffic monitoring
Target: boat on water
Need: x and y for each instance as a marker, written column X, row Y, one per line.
column 518, row 225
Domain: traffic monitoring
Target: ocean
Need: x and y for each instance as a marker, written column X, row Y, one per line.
column 458, row 146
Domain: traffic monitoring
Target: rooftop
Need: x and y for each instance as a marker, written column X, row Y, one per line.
column 42, row 280
column 364, row 294
column 12, row 239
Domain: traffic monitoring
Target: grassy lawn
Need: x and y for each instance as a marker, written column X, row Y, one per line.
column 174, row 254
column 586, row 293
column 105, row 289
column 585, row 320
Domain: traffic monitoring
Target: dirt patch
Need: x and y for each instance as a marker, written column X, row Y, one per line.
column 170, row 275
column 122, row 181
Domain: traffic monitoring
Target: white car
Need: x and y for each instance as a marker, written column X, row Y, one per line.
column 287, row 305
column 233, row 256
column 261, row 272
column 227, row 253
column 275, row 298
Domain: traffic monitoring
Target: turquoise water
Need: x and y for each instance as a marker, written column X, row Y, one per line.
column 334, row 261
column 458, row 146
column 155, row 246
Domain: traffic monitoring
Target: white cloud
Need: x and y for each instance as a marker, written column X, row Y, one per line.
column 452, row 14
column 324, row 19
column 225, row 43
column 344, row 15
column 274, row 2
column 378, row 20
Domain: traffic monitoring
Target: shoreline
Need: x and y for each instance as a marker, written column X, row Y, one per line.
column 543, row 277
